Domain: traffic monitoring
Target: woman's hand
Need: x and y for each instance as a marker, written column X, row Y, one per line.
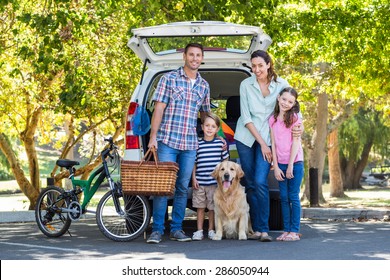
column 297, row 130
column 267, row 153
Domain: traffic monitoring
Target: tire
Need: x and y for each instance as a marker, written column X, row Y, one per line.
column 123, row 227
column 52, row 223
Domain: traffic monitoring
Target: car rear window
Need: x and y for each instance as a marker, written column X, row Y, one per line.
column 169, row 45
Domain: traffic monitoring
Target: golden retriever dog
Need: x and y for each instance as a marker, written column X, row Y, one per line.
column 230, row 204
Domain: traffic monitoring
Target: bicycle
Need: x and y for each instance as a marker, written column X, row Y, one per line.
column 120, row 217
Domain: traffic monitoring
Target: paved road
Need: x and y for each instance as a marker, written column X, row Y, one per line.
column 348, row 247
column 322, row 240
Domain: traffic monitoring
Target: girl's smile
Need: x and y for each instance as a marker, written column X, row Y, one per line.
column 286, row 101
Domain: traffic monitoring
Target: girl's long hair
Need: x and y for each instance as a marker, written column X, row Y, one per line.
column 290, row 116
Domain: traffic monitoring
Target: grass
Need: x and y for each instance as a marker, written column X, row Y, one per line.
column 46, row 159
column 367, row 197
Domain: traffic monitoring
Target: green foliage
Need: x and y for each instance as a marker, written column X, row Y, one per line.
column 72, row 57
column 5, row 170
column 367, row 126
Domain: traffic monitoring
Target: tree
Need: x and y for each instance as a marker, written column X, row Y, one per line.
column 357, row 137
column 335, row 49
column 61, row 58
column 336, row 181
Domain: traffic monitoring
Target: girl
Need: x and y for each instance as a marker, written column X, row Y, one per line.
column 287, row 155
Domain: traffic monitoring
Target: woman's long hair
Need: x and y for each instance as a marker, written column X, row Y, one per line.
column 290, row 116
column 267, row 58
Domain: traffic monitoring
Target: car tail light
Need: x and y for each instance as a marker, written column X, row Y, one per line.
column 132, row 141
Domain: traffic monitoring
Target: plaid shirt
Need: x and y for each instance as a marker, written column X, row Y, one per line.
column 184, row 101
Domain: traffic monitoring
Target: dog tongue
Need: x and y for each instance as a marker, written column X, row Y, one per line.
column 226, row 184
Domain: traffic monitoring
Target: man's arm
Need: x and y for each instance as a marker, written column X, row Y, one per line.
column 158, row 112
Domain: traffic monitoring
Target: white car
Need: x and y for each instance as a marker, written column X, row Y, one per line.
column 227, row 51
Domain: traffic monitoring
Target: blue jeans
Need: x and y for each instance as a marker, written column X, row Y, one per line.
column 186, row 161
column 289, row 196
column 256, row 171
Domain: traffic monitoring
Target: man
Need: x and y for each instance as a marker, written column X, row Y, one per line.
column 179, row 96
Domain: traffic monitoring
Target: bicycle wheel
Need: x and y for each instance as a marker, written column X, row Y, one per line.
column 124, row 227
column 48, row 215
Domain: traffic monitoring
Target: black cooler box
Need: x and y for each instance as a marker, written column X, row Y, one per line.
column 275, row 215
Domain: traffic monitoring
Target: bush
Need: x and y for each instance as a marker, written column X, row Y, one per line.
column 6, row 176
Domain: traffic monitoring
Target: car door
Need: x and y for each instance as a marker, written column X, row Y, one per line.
column 225, row 44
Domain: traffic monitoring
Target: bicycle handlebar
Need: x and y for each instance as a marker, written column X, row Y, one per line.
column 106, row 152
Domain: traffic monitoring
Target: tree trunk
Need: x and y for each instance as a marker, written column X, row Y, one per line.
column 336, row 182
column 88, row 168
column 317, row 151
column 362, row 163
column 352, row 170
column 27, row 137
column 21, row 179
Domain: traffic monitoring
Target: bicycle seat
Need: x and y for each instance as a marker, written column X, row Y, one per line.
column 66, row 163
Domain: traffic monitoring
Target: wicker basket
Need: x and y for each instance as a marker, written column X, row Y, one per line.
column 149, row 177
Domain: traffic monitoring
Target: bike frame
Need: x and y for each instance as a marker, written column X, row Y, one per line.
column 56, row 208
column 88, row 188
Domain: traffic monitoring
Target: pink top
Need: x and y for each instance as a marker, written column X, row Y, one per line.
column 283, row 140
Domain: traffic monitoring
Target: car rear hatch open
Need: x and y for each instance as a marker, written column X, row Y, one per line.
column 225, row 44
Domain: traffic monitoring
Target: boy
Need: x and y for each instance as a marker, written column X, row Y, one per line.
column 210, row 152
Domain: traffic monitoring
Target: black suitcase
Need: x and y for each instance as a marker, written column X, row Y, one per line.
column 275, row 211
column 275, row 221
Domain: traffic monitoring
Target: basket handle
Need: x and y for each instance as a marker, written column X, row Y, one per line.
column 151, row 151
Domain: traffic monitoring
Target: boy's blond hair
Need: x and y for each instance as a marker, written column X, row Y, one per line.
column 214, row 117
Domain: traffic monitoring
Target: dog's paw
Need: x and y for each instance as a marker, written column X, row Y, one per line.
column 242, row 237
column 217, row 237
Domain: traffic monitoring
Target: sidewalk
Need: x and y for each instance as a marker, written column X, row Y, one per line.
column 13, row 209
column 332, row 214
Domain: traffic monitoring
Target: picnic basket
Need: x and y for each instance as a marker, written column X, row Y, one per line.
column 147, row 177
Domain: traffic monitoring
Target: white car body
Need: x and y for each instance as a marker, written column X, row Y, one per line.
column 227, row 51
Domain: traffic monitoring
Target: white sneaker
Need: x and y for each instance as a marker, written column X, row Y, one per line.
column 198, row 235
column 211, row 234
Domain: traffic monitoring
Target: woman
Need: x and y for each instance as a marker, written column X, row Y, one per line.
column 258, row 97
